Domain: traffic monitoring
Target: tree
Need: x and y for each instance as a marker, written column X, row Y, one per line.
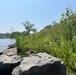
column 29, row 27
column 14, row 34
column 12, row 30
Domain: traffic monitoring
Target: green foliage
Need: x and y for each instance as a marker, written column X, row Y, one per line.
column 58, row 40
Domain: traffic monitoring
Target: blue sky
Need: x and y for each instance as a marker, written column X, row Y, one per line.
column 38, row 12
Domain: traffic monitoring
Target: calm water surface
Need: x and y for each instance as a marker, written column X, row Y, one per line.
column 5, row 42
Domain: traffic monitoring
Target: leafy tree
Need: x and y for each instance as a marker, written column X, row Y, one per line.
column 14, row 34
column 29, row 27
column 23, row 33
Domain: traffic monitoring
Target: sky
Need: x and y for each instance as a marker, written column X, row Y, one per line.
column 38, row 12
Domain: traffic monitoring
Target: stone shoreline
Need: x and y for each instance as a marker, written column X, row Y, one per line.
column 34, row 64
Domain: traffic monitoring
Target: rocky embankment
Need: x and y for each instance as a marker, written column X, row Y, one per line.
column 33, row 64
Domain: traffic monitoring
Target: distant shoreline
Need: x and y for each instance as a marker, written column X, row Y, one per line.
column 4, row 35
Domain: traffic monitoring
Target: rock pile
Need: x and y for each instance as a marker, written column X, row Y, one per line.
column 34, row 64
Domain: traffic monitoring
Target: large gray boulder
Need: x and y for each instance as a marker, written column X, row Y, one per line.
column 8, row 61
column 40, row 64
column 7, row 64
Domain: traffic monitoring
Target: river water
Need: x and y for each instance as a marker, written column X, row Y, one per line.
column 5, row 42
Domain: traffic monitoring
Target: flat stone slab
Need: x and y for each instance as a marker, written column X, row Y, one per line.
column 10, row 59
column 10, row 52
column 37, row 60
